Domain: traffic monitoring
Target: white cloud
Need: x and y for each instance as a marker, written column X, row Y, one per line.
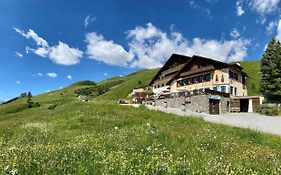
column 59, row 54
column 106, row 51
column 60, row 87
column 19, row 54
column 69, row 77
column 31, row 34
column 212, row 1
column 279, row 31
column 239, row 8
column 264, row 6
column 152, row 47
column 40, row 74
column 234, row 33
column 18, row 82
column 271, row 27
column 202, row 10
column 52, row 75
column 105, row 74
column 88, row 20
column 65, row 55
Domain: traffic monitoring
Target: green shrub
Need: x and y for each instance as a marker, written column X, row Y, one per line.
column 97, row 89
column 52, row 106
column 271, row 111
column 86, row 82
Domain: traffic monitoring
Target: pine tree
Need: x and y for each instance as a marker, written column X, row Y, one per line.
column 29, row 101
column 276, row 74
column 270, row 69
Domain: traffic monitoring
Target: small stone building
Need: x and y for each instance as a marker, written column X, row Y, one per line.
column 245, row 104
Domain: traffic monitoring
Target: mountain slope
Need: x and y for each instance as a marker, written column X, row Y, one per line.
column 252, row 68
column 98, row 137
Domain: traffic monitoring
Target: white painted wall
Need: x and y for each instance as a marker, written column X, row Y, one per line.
column 161, row 89
column 250, row 108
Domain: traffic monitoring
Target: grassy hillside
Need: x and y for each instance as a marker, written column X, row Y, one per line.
column 135, row 80
column 101, row 137
column 252, row 68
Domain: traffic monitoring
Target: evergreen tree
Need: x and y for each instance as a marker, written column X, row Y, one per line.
column 29, row 101
column 271, row 69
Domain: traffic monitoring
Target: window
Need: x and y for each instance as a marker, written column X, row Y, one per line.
column 208, row 77
column 233, row 75
column 201, row 79
column 162, row 85
column 235, row 91
column 231, row 90
column 230, row 74
column 215, row 88
column 223, row 88
column 195, row 80
column 158, row 86
column 217, row 78
column 243, row 79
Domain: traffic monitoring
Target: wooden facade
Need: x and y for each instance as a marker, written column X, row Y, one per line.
column 182, row 73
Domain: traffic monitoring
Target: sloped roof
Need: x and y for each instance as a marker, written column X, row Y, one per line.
column 186, row 64
column 173, row 58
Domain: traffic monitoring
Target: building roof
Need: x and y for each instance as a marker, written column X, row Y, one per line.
column 173, row 58
column 188, row 60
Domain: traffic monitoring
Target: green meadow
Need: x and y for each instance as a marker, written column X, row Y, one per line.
column 101, row 137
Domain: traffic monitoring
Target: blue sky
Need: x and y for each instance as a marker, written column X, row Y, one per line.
column 47, row 45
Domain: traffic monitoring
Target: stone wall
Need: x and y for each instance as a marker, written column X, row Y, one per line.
column 224, row 105
column 198, row 103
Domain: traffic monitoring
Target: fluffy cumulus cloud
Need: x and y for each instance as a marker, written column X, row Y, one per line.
column 100, row 49
column 60, row 53
column 279, row 30
column 149, row 47
column 152, row 47
column 65, row 55
column 239, row 8
column 52, row 74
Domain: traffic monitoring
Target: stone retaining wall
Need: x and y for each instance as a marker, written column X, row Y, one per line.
column 198, row 103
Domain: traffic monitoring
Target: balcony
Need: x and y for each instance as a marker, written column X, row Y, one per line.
column 174, row 69
column 163, row 80
column 197, row 71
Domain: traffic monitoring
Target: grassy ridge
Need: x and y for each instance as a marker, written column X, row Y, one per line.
column 252, row 68
column 135, row 80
